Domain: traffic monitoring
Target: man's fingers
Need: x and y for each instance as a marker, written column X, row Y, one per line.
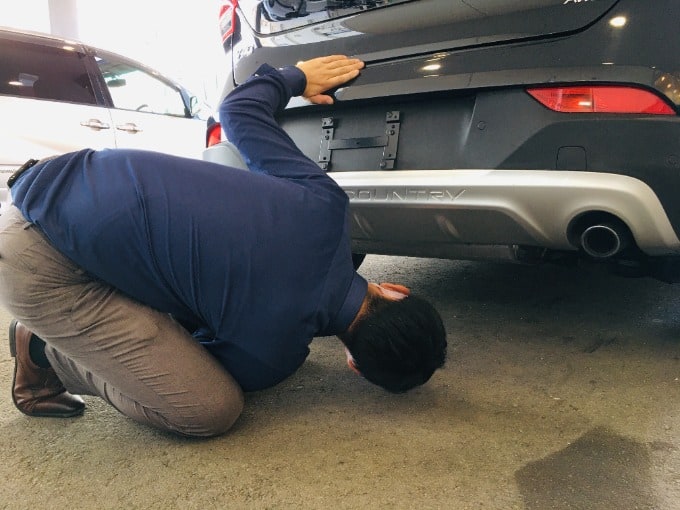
column 342, row 78
column 331, row 59
column 320, row 99
column 346, row 62
column 324, row 73
column 344, row 73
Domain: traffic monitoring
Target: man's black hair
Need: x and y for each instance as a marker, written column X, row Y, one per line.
column 398, row 344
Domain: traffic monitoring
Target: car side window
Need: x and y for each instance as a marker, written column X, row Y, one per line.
column 134, row 88
column 44, row 72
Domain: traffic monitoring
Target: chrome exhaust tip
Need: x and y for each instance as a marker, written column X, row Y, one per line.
column 604, row 240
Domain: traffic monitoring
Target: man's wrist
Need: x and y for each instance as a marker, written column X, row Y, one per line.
column 294, row 78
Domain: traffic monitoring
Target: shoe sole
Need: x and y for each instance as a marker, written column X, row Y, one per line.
column 13, row 353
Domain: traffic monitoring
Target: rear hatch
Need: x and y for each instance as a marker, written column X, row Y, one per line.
column 283, row 31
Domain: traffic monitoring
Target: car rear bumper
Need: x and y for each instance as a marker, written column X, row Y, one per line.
column 446, row 212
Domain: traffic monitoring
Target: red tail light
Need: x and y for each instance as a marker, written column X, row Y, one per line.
column 227, row 19
column 214, row 135
column 601, row 99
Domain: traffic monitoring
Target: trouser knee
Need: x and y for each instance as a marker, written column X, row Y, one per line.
column 213, row 420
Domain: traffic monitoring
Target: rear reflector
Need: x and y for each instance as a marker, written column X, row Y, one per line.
column 214, row 135
column 601, row 99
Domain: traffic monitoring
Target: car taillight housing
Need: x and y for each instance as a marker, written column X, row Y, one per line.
column 228, row 23
column 213, row 135
column 601, row 99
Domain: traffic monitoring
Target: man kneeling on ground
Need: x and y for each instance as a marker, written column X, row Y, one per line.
column 168, row 286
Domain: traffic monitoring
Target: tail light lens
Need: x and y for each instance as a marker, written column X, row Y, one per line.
column 601, row 99
column 214, row 135
column 228, row 20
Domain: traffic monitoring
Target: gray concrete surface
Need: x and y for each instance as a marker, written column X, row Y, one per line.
column 562, row 391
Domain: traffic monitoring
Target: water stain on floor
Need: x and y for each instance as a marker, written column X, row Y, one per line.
column 599, row 471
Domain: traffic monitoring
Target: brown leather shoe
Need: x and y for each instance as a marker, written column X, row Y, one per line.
column 38, row 391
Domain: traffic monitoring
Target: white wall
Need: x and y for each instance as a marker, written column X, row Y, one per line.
column 28, row 14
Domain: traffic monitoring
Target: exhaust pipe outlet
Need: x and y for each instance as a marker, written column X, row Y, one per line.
column 605, row 240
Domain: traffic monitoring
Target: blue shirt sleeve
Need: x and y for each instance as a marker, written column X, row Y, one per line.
column 248, row 119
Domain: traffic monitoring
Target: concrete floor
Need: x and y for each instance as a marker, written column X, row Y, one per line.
column 562, row 391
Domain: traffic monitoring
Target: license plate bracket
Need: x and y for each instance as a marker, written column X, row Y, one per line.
column 389, row 140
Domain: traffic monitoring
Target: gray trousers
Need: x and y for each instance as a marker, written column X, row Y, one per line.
column 100, row 342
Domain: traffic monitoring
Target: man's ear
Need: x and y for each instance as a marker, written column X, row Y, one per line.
column 350, row 362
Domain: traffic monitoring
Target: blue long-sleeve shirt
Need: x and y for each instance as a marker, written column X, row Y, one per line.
column 259, row 261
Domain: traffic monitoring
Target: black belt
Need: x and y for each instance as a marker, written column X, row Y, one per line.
column 12, row 178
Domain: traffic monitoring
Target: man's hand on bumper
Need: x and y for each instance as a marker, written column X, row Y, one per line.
column 325, row 73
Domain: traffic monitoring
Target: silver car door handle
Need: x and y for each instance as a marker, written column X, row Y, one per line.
column 130, row 127
column 95, row 124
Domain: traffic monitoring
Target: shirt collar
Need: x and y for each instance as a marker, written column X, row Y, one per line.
column 349, row 309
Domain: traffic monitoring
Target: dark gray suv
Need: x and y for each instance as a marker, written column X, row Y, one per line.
column 525, row 130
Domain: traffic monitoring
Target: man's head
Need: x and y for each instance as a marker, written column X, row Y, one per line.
column 397, row 340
